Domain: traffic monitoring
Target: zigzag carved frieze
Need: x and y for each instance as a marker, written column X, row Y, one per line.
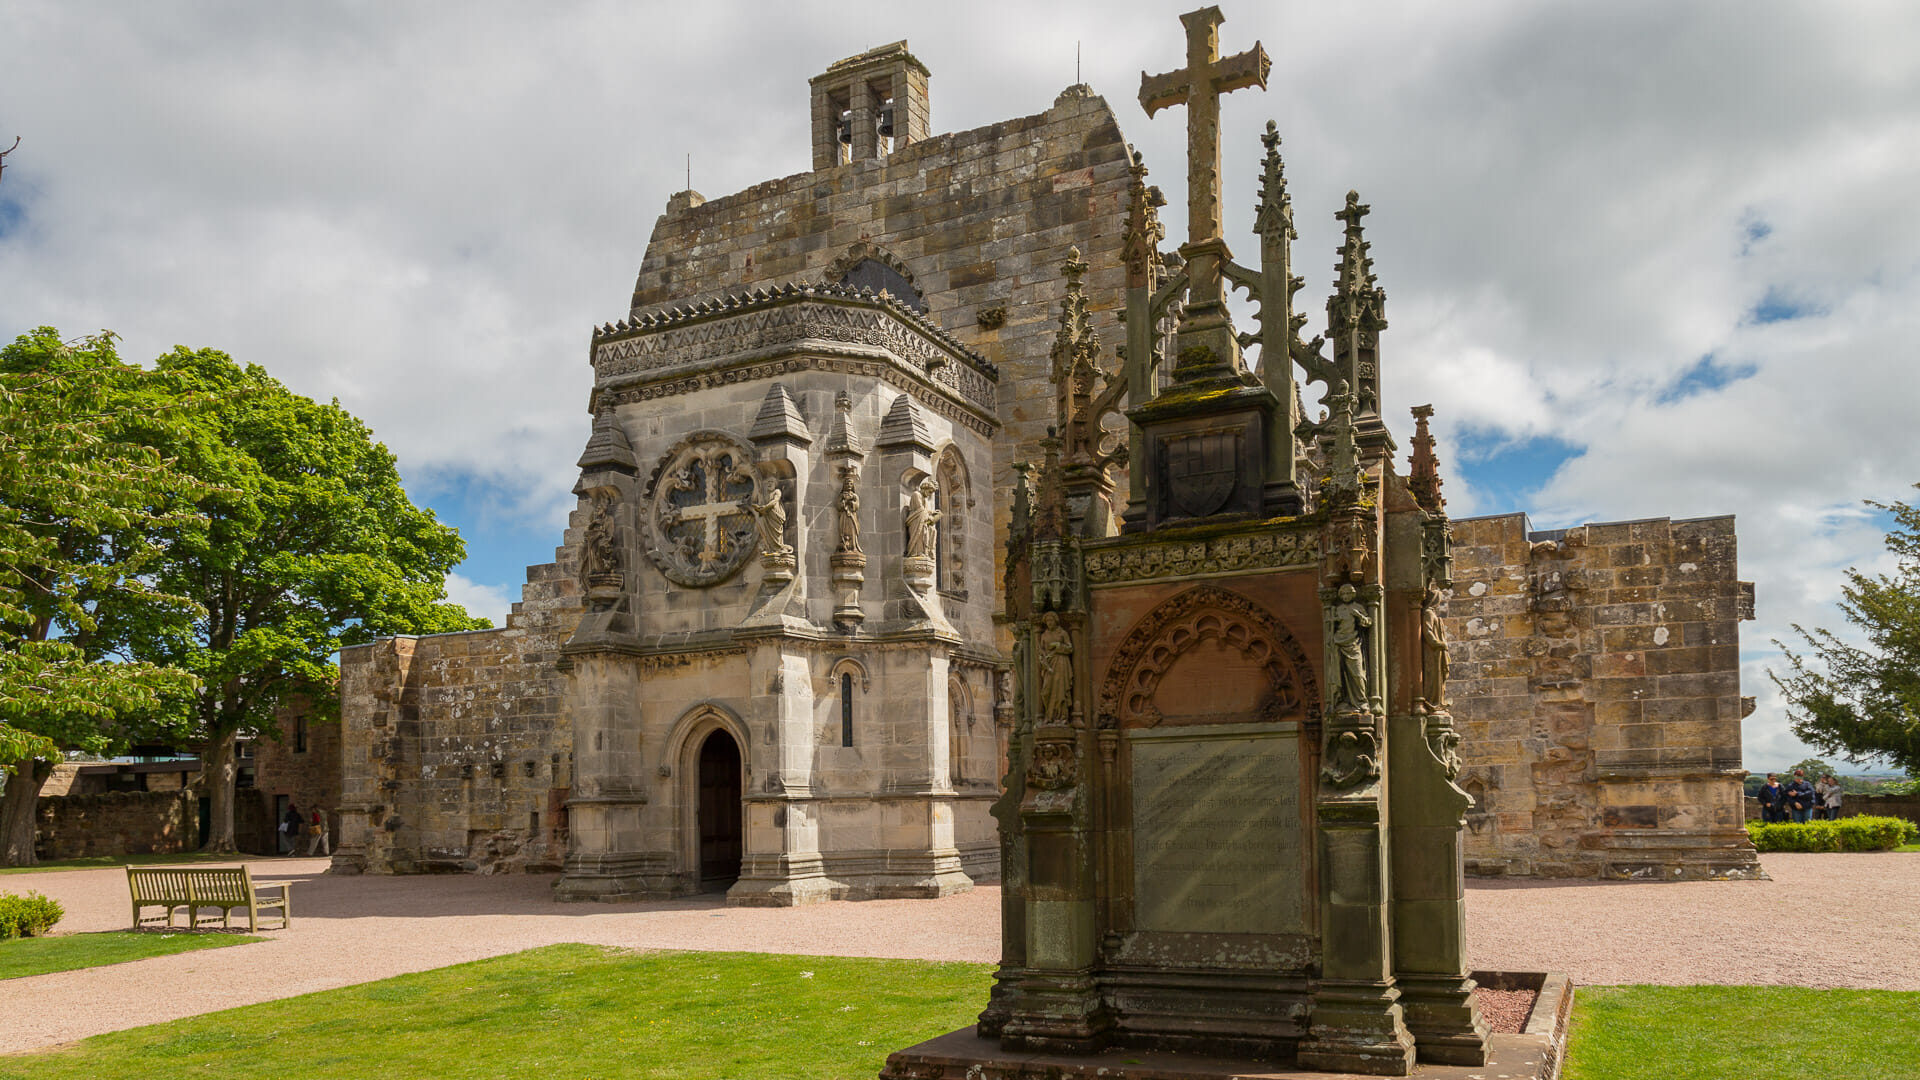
column 749, row 331
column 772, row 369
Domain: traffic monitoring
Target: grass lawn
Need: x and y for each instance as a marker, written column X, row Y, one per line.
column 102, row 861
column 20, row 957
column 1713, row 1032
column 576, row 1012
column 565, row 1012
column 1908, row 847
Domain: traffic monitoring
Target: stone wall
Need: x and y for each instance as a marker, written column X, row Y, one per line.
column 118, row 823
column 455, row 754
column 1596, row 682
column 980, row 221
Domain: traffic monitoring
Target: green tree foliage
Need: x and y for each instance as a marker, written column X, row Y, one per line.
column 310, row 544
column 1865, row 701
column 83, row 497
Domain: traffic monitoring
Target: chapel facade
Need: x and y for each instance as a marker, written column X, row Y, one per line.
column 773, row 652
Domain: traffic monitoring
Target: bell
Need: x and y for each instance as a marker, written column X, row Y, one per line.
column 886, row 122
column 846, row 128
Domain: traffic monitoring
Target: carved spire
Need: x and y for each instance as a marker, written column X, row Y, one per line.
column 1075, row 373
column 1356, row 313
column 1346, row 478
column 1424, row 481
column 1273, row 220
column 1144, row 231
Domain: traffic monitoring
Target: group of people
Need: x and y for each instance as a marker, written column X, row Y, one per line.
column 1799, row 800
column 312, row 828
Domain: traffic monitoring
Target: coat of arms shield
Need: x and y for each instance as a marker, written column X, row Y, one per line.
column 1202, row 471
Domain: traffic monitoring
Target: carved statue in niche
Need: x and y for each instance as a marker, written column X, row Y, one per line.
column 1054, row 766
column 1351, row 759
column 923, row 519
column 1347, row 666
column 849, row 510
column 1434, row 662
column 600, row 555
column 770, row 519
column 1056, row 670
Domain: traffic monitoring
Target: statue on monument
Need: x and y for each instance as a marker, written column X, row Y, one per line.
column 923, row 517
column 600, row 554
column 770, row 519
column 1347, row 669
column 1434, row 662
column 1056, row 671
column 849, row 510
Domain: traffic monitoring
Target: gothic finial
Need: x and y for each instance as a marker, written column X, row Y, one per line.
column 1274, row 213
column 1356, row 313
column 1424, row 479
column 1075, row 370
column 1144, row 231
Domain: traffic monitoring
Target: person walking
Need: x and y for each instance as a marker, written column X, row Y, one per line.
column 1833, row 798
column 291, row 826
column 317, row 842
column 1800, row 797
column 1773, row 800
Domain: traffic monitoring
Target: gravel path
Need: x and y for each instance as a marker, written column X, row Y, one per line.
column 1825, row 920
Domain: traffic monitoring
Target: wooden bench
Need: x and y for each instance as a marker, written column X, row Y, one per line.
column 195, row 887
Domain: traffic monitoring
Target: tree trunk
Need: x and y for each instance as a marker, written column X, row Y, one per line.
column 17, row 806
column 219, row 769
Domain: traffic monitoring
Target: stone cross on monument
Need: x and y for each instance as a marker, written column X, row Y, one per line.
column 1198, row 86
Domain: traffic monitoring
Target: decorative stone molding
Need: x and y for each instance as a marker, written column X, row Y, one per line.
column 700, row 522
column 867, row 251
column 1227, row 554
column 765, row 319
column 1200, row 614
column 627, row 392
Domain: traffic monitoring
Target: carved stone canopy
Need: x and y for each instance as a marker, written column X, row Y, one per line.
column 1245, row 630
column 698, row 507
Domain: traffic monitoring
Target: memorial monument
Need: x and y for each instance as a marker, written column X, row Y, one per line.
column 1230, row 826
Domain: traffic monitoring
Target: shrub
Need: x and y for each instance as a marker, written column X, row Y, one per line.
column 1863, row 833
column 28, row 916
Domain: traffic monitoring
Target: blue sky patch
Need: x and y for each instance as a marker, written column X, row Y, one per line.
column 1505, row 473
column 1776, row 306
column 1706, row 374
column 1753, row 230
column 13, row 214
column 502, row 538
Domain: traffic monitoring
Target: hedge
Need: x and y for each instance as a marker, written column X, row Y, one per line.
column 27, row 916
column 1863, row 833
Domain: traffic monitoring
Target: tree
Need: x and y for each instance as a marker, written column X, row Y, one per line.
column 1865, row 701
column 310, row 544
column 82, row 493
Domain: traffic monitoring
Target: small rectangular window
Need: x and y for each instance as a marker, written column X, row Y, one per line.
column 300, row 735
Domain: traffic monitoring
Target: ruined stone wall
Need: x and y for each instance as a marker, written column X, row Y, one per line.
column 117, row 823
column 455, row 753
column 1596, row 683
column 979, row 220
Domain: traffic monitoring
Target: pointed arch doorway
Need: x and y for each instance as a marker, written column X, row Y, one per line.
column 717, row 811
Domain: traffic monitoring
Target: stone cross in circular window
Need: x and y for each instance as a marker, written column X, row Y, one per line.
column 701, row 524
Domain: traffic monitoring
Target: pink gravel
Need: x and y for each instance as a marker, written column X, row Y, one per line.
column 1824, row 920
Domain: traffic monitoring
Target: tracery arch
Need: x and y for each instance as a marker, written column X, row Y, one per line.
column 867, row 265
column 1202, row 614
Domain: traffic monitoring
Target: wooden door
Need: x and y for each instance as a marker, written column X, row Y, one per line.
column 719, row 810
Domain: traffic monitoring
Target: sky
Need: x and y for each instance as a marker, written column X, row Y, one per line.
column 1645, row 259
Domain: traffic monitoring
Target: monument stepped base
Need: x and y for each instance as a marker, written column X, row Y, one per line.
column 1533, row 1054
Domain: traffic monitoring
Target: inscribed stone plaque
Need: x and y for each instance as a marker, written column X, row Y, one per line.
column 1216, row 830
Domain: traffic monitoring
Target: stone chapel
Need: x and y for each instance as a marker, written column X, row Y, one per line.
column 773, row 652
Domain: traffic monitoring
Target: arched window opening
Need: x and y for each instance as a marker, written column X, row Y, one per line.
column 846, row 708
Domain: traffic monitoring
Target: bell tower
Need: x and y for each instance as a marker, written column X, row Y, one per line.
column 868, row 106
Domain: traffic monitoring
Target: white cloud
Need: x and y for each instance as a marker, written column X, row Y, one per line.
column 483, row 601
column 423, row 209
